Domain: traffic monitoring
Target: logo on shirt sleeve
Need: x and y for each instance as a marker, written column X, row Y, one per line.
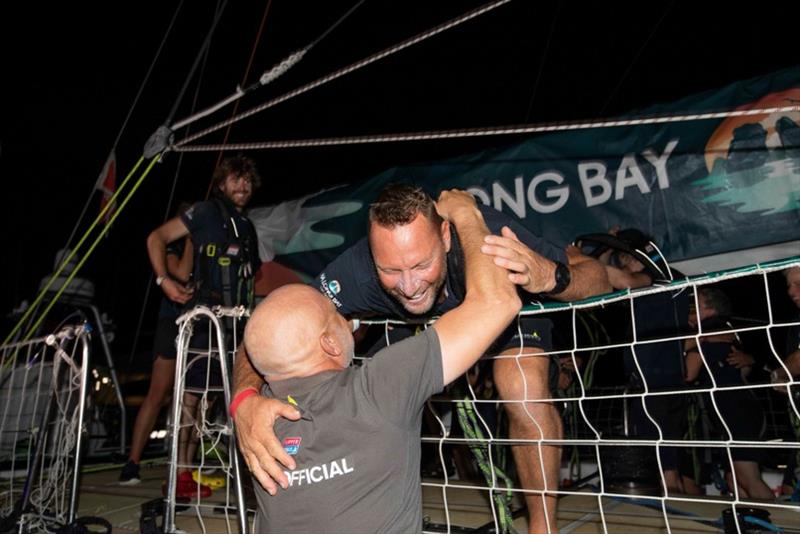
column 334, row 286
column 292, row 445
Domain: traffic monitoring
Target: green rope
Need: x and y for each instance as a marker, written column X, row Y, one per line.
column 89, row 252
column 693, row 414
column 472, row 431
column 597, row 333
column 72, row 254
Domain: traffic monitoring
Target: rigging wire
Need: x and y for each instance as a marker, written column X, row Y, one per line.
column 94, row 244
column 151, row 152
column 220, row 9
column 335, row 24
column 127, row 118
column 168, row 209
column 43, row 291
column 543, row 60
column 346, row 70
column 256, row 42
column 627, row 72
column 488, row 131
column 267, row 77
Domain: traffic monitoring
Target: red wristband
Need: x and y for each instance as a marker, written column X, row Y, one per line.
column 237, row 400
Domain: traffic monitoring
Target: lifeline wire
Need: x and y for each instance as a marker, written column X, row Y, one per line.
column 482, row 132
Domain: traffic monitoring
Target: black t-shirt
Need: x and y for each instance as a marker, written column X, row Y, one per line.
column 219, row 233
column 657, row 316
column 351, row 280
column 792, row 339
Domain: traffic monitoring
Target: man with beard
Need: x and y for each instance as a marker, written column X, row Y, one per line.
column 225, row 261
column 357, row 446
column 411, row 266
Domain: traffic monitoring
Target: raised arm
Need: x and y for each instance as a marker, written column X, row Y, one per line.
column 491, row 301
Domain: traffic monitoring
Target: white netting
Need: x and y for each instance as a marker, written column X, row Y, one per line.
column 202, row 395
column 624, row 425
column 43, row 392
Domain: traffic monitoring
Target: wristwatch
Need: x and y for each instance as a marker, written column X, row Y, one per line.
column 563, row 278
column 160, row 279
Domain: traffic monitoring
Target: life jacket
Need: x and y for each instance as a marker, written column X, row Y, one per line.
column 224, row 271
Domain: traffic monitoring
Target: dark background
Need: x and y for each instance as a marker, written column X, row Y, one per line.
column 71, row 72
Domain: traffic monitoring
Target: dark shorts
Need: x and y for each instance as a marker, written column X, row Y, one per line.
column 744, row 416
column 203, row 363
column 165, row 338
column 670, row 412
column 535, row 332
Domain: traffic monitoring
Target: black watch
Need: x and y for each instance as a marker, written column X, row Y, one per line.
column 563, row 278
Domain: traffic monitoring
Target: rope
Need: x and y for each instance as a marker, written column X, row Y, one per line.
column 72, row 254
column 86, row 256
column 128, row 117
column 167, row 211
column 200, row 54
column 346, row 70
column 477, row 444
column 482, row 132
column 267, row 77
column 256, row 41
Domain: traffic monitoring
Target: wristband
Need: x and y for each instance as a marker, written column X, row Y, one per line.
column 160, row 279
column 237, row 400
column 562, row 277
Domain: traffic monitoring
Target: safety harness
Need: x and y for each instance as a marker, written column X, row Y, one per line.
column 221, row 266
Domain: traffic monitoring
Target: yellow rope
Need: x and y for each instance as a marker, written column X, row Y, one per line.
column 85, row 257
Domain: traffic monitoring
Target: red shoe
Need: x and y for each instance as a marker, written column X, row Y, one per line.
column 187, row 488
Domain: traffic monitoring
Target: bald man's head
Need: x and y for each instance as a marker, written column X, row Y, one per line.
column 296, row 331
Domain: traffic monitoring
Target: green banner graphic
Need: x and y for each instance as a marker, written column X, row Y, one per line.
column 700, row 187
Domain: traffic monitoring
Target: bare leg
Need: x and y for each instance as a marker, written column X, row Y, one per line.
column 161, row 380
column 748, row 475
column 187, row 440
column 674, row 481
column 690, row 487
column 533, row 471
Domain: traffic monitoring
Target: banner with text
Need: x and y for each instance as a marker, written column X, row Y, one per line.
column 698, row 187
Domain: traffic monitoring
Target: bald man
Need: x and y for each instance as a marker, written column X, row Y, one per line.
column 357, row 444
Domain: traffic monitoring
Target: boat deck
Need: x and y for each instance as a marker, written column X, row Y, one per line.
column 102, row 496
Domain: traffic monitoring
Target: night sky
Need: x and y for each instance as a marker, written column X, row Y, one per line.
column 72, row 70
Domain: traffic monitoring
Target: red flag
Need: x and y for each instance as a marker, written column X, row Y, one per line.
column 107, row 183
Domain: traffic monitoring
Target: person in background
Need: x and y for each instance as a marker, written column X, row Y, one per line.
column 223, row 274
column 179, row 255
column 634, row 261
column 740, row 410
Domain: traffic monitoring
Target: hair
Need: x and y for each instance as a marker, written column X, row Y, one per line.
column 787, row 271
column 717, row 300
column 238, row 165
column 399, row 204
